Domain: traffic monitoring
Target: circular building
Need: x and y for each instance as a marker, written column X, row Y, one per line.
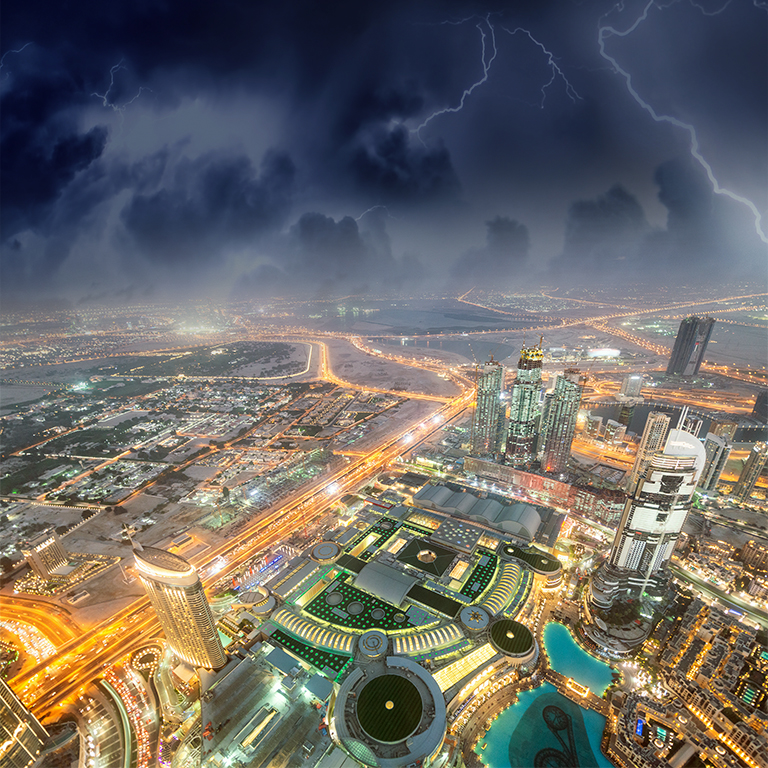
column 372, row 644
column 389, row 713
column 515, row 641
column 258, row 601
column 325, row 552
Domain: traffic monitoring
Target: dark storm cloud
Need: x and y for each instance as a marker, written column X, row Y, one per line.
column 338, row 89
column 42, row 148
column 501, row 262
column 211, row 203
column 601, row 232
column 395, row 168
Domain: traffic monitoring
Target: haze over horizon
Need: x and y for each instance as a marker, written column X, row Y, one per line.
column 240, row 150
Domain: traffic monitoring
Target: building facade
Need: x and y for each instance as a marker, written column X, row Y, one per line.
column 21, row 735
column 177, row 595
column 45, row 554
column 525, row 409
column 690, row 345
column 760, row 410
column 656, row 511
column 485, row 439
column 717, row 450
column 654, row 434
column 631, row 386
column 558, row 422
column 758, row 457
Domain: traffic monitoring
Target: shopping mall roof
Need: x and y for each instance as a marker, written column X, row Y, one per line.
column 385, row 582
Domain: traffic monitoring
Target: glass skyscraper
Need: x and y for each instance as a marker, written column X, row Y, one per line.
column 558, row 421
column 525, row 408
column 486, row 435
column 690, row 345
column 177, row 595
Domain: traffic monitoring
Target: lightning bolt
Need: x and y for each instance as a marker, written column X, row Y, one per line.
column 16, row 50
column 569, row 89
column 105, row 96
column 605, row 32
column 373, row 208
column 486, row 62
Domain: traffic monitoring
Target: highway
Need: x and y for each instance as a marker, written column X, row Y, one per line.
column 50, row 685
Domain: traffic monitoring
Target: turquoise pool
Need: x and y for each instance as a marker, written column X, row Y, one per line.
column 568, row 658
column 545, row 728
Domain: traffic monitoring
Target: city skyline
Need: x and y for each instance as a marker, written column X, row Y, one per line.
column 384, row 384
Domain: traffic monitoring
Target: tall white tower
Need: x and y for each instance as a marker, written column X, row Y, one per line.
column 653, row 438
column 656, row 511
column 177, row 595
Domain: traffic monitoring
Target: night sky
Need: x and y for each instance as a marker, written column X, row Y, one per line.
column 236, row 149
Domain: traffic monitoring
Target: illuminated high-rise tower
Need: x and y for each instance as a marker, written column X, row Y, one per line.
column 45, row 554
column 486, row 437
column 656, row 510
column 525, row 408
column 178, row 598
column 653, row 438
column 690, row 345
column 558, row 421
column 717, row 450
column 758, row 458
column 21, row 735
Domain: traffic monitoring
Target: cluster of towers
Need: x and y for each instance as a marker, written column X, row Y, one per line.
column 536, row 426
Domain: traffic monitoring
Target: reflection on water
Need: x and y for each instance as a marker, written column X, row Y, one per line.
column 546, row 730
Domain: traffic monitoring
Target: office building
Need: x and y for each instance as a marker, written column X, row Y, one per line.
column 525, row 408
column 758, row 457
column 626, row 413
column 594, row 426
column 690, row 345
column 726, row 429
column 760, row 411
column 656, row 510
column 45, row 554
column 717, row 450
column 653, row 438
column 489, row 413
column 178, row 598
column 631, row 386
column 691, row 424
column 558, row 422
column 614, row 432
column 21, row 735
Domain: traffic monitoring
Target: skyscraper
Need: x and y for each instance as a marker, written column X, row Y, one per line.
column 717, row 450
column 653, row 438
column 525, row 408
column 558, row 421
column 690, row 345
column 45, row 554
column 760, row 411
column 724, row 429
column 21, row 735
column 656, row 511
column 178, row 598
column 758, row 457
column 485, row 440
column 631, row 386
